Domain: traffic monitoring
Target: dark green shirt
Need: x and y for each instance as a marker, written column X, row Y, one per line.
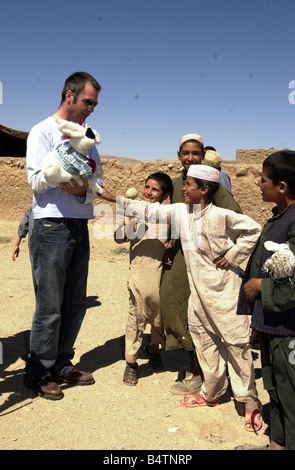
column 277, row 297
column 221, row 198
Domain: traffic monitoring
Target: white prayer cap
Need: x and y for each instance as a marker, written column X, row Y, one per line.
column 212, row 158
column 187, row 137
column 204, row 172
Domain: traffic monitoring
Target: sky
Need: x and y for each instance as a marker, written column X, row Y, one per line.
column 222, row 68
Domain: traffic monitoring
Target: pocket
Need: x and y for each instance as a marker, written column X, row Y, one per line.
column 48, row 225
column 56, row 233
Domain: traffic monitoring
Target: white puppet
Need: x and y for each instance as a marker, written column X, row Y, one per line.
column 69, row 160
column 281, row 264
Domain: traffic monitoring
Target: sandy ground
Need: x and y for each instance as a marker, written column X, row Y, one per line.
column 107, row 415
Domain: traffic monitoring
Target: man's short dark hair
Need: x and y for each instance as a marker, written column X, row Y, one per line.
column 76, row 83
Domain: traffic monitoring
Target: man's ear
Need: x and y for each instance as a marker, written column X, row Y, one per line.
column 69, row 96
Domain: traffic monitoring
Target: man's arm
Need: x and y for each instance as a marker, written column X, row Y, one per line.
column 38, row 145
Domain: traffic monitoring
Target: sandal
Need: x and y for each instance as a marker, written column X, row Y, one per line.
column 254, row 419
column 130, row 374
column 154, row 358
column 194, row 400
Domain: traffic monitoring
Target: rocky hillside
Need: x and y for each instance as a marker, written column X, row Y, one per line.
column 121, row 174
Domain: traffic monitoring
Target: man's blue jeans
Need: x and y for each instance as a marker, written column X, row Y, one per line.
column 59, row 250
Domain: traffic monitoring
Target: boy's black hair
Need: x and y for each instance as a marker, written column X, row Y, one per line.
column 281, row 167
column 164, row 180
column 212, row 187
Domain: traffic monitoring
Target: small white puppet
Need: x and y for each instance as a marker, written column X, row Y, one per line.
column 69, row 160
column 281, row 264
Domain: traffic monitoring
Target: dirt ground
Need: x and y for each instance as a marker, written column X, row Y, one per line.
column 107, row 415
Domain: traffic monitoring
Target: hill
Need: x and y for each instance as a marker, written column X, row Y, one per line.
column 123, row 173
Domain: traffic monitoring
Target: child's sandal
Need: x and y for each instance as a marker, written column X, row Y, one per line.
column 253, row 419
column 130, row 376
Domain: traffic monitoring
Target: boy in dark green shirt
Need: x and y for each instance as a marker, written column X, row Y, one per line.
column 270, row 298
column 174, row 292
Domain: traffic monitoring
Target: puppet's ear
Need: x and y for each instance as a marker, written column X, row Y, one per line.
column 97, row 137
column 89, row 133
column 93, row 134
column 272, row 246
column 72, row 129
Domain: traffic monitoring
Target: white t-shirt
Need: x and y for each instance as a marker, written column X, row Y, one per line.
column 53, row 202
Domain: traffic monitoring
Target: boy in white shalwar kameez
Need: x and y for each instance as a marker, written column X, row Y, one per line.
column 220, row 336
column 215, row 242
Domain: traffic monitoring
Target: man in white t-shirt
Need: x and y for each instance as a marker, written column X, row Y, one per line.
column 59, row 249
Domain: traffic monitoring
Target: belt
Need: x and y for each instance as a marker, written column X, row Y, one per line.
column 64, row 219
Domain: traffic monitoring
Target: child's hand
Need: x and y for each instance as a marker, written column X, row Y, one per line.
column 16, row 249
column 107, row 195
column 15, row 252
column 252, row 288
column 221, row 263
column 168, row 258
column 254, row 337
